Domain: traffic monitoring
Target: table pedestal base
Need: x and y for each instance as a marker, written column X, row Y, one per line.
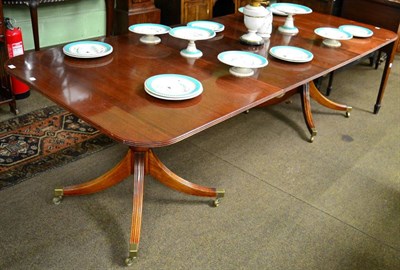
column 138, row 162
column 306, row 91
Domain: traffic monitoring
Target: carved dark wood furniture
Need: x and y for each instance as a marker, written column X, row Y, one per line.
column 117, row 104
column 34, row 4
column 128, row 12
column 183, row 11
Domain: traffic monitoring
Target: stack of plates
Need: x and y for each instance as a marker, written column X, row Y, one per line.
column 87, row 49
column 173, row 87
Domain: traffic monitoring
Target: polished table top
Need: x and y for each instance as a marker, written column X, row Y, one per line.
column 109, row 94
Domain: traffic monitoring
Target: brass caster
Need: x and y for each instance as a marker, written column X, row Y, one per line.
column 216, row 202
column 129, row 261
column 313, row 134
column 247, row 111
column 58, row 195
column 133, row 252
column 220, row 195
column 348, row 111
column 57, row 200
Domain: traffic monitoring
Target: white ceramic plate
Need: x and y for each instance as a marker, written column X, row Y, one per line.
column 274, row 11
column 291, row 54
column 242, row 59
column 289, row 8
column 173, row 87
column 87, row 49
column 192, row 33
column 216, row 27
column 356, row 31
column 149, row 29
column 332, row 33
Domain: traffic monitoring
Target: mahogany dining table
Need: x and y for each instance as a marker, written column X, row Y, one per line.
column 108, row 93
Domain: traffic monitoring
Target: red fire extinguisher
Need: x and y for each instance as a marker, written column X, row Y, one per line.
column 15, row 47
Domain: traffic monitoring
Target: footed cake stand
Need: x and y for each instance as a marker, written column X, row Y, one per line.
column 192, row 34
column 290, row 9
column 242, row 63
column 149, row 32
column 332, row 36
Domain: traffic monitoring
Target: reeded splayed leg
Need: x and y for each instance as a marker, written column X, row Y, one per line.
column 306, row 105
column 117, row 174
column 139, row 161
column 318, row 97
column 160, row 172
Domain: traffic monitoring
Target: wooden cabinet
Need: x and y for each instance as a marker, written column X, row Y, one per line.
column 128, row 12
column 240, row 3
column 183, row 11
column 192, row 10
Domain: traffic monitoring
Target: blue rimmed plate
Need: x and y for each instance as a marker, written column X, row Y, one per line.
column 149, row 28
column 274, row 11
column 216, row 27
column 192, row 33
column 356, row 31
column 289, row 8
column 291, row 54
column 173, row 87
column 87, row 49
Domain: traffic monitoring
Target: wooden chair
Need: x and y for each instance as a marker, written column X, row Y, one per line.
column 33, row 5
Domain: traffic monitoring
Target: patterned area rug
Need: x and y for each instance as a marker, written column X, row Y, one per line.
column 42, row 140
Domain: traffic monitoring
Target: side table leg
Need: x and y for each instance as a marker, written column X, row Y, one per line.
column 390, row 50
column 330, row 82
column 33, row 5
column 306, row 105
column 13, row 107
